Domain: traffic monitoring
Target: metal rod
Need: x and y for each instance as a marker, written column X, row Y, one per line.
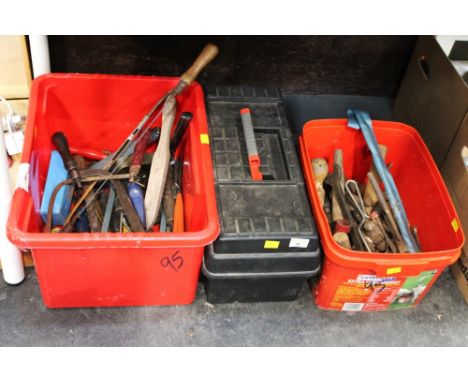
column 359, row 205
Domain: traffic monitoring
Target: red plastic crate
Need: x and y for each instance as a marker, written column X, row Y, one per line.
column 97, row 112
column 353, row 280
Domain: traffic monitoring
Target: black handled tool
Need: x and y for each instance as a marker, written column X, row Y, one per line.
column 180, row 129
column 149, row 137
column 60, row 141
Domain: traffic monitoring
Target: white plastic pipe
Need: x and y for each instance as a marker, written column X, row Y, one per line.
column 40, row 58
column 10, row 256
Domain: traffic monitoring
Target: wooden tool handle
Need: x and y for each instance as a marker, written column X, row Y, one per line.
column 370, row 197
column 204, row 58
column 342, row 239
column 320, row 169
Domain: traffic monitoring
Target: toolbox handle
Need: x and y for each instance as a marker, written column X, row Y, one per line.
column 252, row 152
column 209, row 52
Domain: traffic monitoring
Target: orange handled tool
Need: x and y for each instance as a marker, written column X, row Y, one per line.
column 179, row 214
column 178, row 225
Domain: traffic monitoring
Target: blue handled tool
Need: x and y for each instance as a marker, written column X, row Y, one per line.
column 138, row 200
column 361, row 120
column 56, row 174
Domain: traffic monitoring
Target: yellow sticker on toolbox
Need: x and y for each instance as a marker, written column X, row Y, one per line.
column 392, row 271
column 204, row 139
column 455, row 225
column 271, row 244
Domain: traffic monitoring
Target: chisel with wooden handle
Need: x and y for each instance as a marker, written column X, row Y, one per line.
column 320, row 169
column 337, row 215
column 370, row 197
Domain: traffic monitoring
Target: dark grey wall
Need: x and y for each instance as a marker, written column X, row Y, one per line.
column 353, row 65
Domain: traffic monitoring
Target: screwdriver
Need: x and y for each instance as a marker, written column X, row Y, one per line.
column 60, row 141
column 138, row 200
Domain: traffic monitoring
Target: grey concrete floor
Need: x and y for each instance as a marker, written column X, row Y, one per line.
column 440, row 320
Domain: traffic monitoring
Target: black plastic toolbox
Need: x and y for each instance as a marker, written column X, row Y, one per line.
column 268, row 246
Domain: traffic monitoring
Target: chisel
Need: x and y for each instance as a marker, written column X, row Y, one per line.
column 320, row 169
column 370, row 197
column 337, row 215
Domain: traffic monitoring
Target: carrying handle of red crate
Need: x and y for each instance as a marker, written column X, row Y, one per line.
column 252, row 152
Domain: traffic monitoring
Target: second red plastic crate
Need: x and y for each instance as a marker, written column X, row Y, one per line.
column 353, row 280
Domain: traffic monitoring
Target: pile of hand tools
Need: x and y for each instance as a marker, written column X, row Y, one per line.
column 124, row 191
column 364, row 217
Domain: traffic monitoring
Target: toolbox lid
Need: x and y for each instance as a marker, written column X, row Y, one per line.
column 259, row 218
column 268, row 216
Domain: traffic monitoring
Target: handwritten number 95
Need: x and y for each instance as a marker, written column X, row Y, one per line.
column 174, row 261
column 374, row 285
